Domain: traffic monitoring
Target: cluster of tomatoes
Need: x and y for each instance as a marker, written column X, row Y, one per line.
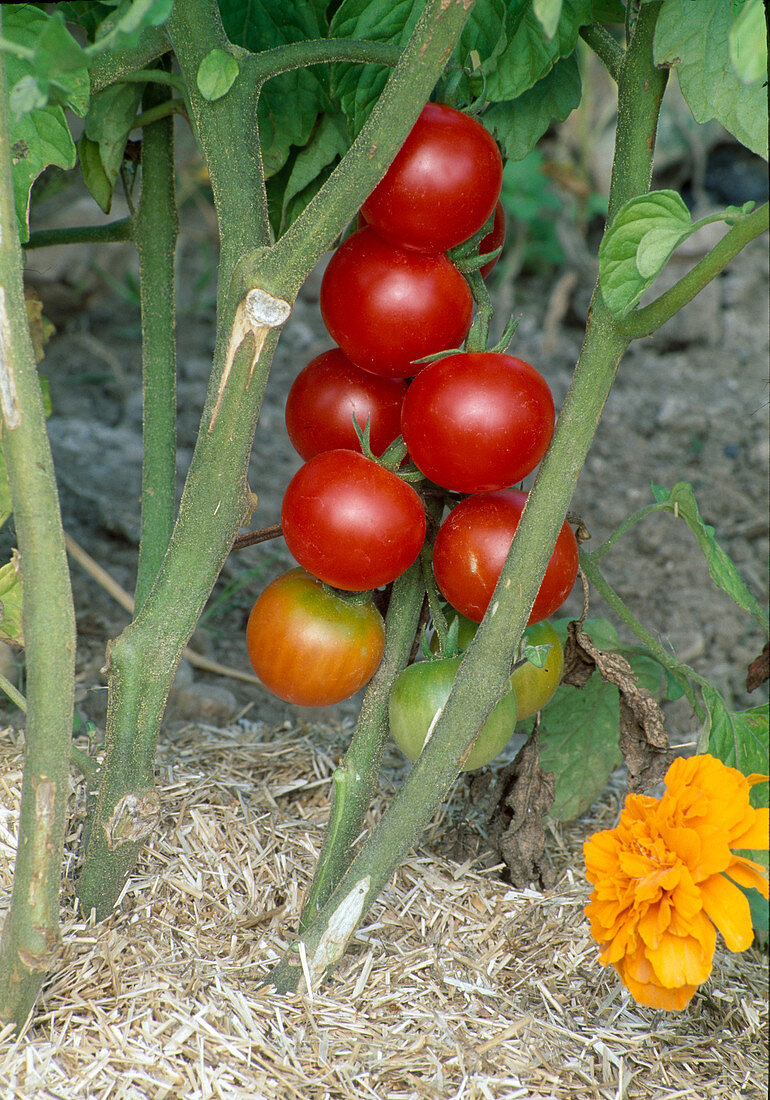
column 395, row 402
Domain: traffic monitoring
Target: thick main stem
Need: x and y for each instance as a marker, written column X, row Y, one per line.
column 31, row 929
column 155, row 234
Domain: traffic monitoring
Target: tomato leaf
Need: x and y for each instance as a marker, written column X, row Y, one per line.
column 695, row 39
column 109, row 121
column 216, row 74
column 127, row 20
column 655, row 223
column 738, row 738
column 520, row 123
column 529, row 55
column 579, row 744
column 609, row 11
column 10, row 602
column 680, row 500
column 312, row 165
column 748, row 43
column 357, row 87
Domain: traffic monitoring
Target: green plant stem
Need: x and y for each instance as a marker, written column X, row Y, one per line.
column 155, row 76
column 13, row 693
column 31, row 929
column 298, row 55
column 166, row 109
column 483, row 676
column 645, row 321
column 621, row 529
column 252, row 307
column 157, row 227
column 122, row 230
column 355, row 780
column 682, row 673
column 85, row 764
column 115, row 65
column 607, row 49
column 640, row 91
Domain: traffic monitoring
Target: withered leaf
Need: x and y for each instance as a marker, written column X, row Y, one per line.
column 759, row 669
column 523, row 797
column 643, row 738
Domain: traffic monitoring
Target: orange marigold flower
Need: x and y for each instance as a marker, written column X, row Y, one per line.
column 665, row 880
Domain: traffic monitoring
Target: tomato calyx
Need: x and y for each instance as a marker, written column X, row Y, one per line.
column 392, row 458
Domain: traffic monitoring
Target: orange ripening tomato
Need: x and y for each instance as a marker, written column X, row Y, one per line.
column 310, row 647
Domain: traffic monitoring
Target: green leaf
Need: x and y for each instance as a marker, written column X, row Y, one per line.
column 519, row 124
column 56, row 74
column 660, row 213
column 10, row 603
column 579, row 744
column 357, row 87
column 548, row 13
column 760, row 916
column 748, row 43
column 94, row 176
column 290, row 103
column 738, row 738
column 609, row 11
column 529, row 55
column 216, row 74
column 680, row 500
column 125, row 24
column 109, row 121
column 694, row 38
column 38, row 139
column 325, row 149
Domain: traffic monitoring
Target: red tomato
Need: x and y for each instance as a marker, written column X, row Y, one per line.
column 386, row 307
column 351, row 522
column 495, row 238
column 310, row 647
column 442, row 185
column 325, row 397
column 477, row 421
column 473, row 543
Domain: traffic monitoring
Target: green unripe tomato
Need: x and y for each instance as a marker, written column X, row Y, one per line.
column 533, row 686
column 421, row 690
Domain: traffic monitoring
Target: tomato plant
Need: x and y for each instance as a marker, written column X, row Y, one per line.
column 534, row 685
column 351, row 522
column 417, row 699
column 472, row 545
column 309, row 646
column 442, row 185
column 494, row 239
column 477, row 421
column 329, row 393
column 387, row 307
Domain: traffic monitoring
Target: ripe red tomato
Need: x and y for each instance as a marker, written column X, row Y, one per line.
column 310, row 647
column 472, row 545
column 325, row 397
column 442, row 185
column 386, row 307
column 421, row 690
column 495, row 238
column 477, row 421
column 351, row 522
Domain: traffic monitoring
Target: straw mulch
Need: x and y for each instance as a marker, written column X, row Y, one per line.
column 457, row 987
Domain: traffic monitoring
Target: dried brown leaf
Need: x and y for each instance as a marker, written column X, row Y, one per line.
column 759, row 669
column 524, row 796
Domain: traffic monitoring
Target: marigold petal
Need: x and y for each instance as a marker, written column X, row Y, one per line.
column 757, row 832
column 750, row 874
column 729, row 909
column 684, row 960
column 653, row 995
